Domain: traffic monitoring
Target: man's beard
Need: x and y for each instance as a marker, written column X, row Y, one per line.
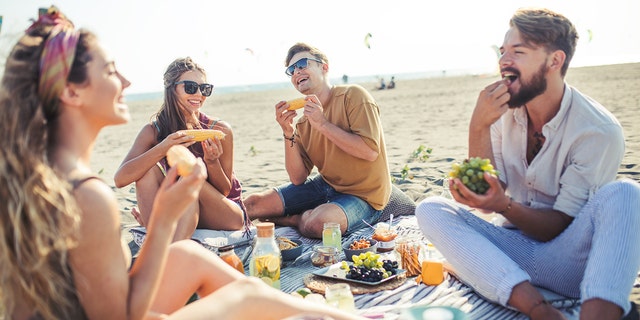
column 530, row 90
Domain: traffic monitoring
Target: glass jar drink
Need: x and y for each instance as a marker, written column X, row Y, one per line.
column 229, row 256
column 324, row 256
column 331, row 235
column 265, row 257
column 339, row 295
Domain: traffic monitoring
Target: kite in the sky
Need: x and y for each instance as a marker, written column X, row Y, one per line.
column 366, row 40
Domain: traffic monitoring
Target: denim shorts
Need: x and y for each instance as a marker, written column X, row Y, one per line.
column 315, row 191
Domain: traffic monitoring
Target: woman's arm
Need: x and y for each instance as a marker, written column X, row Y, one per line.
column 98, row 262
column 145, row 153
column 218, row 156
column 105, row 288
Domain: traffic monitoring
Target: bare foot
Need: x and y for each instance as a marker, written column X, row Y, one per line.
column 290, row 221
column 546, row 311
column 136, row 214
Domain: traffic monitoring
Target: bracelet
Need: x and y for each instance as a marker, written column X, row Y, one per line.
column 537, row 304
column 292, row 139
column 507, row 208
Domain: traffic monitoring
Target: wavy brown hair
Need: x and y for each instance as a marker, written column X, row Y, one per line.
column 546, row 28
column 303, row 47
column 170, row 118
column 39, row 217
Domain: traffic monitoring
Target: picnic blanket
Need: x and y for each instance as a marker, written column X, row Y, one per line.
column 389, row 303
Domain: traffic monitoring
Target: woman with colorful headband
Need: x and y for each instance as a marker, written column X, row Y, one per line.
column 61, row 255
column 220, row 205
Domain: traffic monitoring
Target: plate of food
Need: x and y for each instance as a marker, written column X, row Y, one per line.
column 348, row 271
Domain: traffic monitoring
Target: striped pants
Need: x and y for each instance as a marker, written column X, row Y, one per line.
column 596, row 256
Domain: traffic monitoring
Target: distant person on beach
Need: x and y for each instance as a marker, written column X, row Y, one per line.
column 345, row 79
column 381, row 85
column 392, row 83
column 63, row 257
column 341, row 135
column 569, row 227
column 220, row 204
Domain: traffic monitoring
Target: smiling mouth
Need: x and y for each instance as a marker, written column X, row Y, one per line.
column 509, row 78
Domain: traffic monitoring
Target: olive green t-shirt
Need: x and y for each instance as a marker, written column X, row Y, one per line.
column 354, row 110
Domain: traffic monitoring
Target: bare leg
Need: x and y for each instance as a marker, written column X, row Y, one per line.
column 250, row 298
column 599, row 309
column 217, row 212
column 526, row 298
column 266, row 204
column 312, row 221
column 146, row 189
column 290, row 221
column 187, row 223
column 190, row 268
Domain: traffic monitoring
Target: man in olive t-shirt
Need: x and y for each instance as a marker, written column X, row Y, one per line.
column 340, row 134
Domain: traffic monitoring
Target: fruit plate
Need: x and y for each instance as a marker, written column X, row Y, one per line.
column 335, row 272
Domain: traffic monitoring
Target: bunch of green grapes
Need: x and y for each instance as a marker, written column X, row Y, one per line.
column 367, row 267
column 471, row 173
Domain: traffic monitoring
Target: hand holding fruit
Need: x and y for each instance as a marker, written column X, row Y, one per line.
column 471, row 173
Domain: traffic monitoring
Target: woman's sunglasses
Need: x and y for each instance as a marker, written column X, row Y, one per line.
column 190, row 87
column 300, row 64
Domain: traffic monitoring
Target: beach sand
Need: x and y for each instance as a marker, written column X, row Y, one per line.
column 429, row 113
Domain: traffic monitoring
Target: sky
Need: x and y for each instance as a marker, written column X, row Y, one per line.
column 242, row 42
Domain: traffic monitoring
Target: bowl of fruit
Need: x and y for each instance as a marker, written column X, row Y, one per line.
column 359, row 246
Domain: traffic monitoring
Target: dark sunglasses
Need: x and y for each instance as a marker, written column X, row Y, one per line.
column 300, row 64
column 190, row 87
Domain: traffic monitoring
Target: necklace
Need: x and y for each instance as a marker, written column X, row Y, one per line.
column 538, row 144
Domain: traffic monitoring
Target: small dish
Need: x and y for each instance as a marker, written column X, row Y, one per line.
column 293, row 253
column 349, row 253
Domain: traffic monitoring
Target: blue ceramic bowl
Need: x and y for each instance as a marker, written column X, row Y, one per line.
column 348, row 253
column 293, row 253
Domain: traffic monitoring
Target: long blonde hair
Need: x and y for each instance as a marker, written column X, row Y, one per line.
column 39, row 218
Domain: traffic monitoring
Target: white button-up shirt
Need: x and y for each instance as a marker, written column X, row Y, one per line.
column 583, row 150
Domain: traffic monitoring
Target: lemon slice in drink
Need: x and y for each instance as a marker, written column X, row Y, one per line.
column 272, row 263
column 267, row 280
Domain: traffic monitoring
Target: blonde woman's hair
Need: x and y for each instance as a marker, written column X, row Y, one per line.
column 39, row 218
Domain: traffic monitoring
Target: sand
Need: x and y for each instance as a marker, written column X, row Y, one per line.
column 419, row 113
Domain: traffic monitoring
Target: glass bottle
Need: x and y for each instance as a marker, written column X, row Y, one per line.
column 432, row 267
column 265, row 257
column 229, row 256
column 332, row 236
column 339, row 295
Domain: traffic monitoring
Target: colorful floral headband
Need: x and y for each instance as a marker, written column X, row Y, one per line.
column 57, row 55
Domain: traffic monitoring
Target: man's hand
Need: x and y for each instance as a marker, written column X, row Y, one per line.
column 491, row 104
column 493, row 200
column 314, row 112
column 285, row 118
